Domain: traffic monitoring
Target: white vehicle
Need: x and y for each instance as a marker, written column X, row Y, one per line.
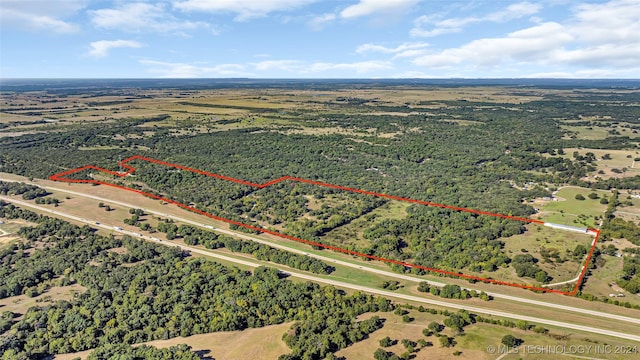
column 117, row 228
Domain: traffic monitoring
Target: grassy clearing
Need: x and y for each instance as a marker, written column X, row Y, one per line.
column 21, row 303
column 570, row 211
column 629, row 213
column 9, row 228
column 538, row 237
column 614, row 160
column 584, row 133
column 258, row 343
column 598, row 283
column 12, row 226
column 6, row 239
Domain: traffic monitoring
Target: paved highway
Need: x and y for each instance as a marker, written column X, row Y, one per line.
column 344, row 263
column 336, row 283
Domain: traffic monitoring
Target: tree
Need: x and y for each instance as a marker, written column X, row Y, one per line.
column 593, row 196
column 435, row 327
column 446, row 341
column 580, row 197
column 522, row 325
column 386, row 342
column 542, row 276
column 450, row 291
column 511, row 341
column 400, row 312
column 409, row 345
column 423, row 286
column 381, row 354
column 579, row 250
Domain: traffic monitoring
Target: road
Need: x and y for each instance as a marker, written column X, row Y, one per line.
column 339, row 262
column 336, row 283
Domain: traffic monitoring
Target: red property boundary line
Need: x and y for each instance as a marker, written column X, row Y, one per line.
column 130, row 169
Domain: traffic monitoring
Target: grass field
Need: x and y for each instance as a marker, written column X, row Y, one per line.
column 259, row 343
column 9, row 228
column 568, row 210
column 622, row 160
column 598, row 282
column 21, row 303
column 629, row 213
column 581, row 132
column 538, row 237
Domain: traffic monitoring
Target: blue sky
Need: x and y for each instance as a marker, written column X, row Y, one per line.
column 319, row 38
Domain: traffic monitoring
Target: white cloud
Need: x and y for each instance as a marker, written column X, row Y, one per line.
column 584, row 74
column 302, row 68
column 405, row 50
column 614, row 21
column 245, row 9
column 141, row 17
column 286, row 65
column 400, row 48
column 183, row 70
column 598, row 40
column 412, row 74
column 40, row 15
column 101, row 48
column 451, row 25
column 362, row 67
column 530, row 44
column 384, row 8
column 320, row 21
column 369, row 7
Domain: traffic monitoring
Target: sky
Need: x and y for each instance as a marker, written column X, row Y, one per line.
column 319, row 39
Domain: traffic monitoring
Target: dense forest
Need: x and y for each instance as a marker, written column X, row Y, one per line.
column 162, row 293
